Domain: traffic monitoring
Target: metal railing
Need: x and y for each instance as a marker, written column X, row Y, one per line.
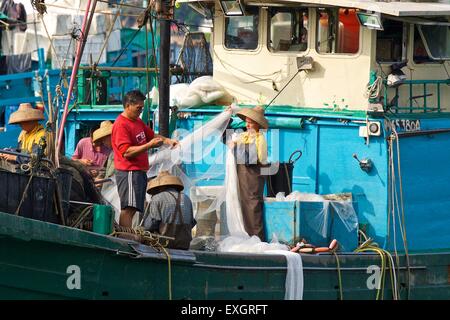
column 416, row 103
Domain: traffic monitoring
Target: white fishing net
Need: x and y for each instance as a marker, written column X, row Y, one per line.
column 319, row 222
column 204, row 148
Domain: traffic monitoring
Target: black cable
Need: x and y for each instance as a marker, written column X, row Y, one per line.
column 279, row 92
column 126, row 47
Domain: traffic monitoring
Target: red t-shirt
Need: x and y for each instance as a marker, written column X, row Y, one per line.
column 127, row 133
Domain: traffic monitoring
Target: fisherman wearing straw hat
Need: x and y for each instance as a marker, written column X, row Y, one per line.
column 170, row 211
column 32, row 132
column 93, row 152
column 251, row 155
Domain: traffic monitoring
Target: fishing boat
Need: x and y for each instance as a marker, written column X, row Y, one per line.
column 362, row 89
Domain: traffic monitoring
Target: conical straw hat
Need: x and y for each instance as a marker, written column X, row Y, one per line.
column 104, row 130
column 164, row 179
column 256, row 114
column 25, row 113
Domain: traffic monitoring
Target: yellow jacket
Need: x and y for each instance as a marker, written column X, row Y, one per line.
column 28, row 139
column 260, row 143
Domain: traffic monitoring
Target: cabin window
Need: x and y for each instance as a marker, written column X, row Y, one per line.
column 390, row 42
column 242, row 32
column 420, row 54
column 337, row 31
column 288, row 30
column 436, row 40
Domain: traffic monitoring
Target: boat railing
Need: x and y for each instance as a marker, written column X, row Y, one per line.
column 103, row 86
column 25, row 155
column 37, row 77
column 415, row 102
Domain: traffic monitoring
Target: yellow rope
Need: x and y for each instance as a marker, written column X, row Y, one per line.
column 339, row 275
column 153, row 241
column 169, row 272
column 368, row 246
column 403, row 223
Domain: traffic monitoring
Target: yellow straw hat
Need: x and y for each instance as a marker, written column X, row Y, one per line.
column 25, row 113
column 164, row 179
column 256, row 114
column 104, row 130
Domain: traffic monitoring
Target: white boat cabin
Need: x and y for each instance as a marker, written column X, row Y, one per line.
column 321, row 53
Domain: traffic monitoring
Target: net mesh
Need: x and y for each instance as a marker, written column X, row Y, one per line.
column 194, row 57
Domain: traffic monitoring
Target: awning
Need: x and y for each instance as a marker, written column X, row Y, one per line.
column 394, row 8
column 399, row 9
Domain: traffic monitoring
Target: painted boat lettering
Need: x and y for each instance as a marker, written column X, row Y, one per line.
column 405, row 125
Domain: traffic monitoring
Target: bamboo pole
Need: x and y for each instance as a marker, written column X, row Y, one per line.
column 84, row 32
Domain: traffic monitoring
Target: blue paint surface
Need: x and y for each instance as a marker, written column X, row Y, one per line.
column 425, row 175
column 327, row 166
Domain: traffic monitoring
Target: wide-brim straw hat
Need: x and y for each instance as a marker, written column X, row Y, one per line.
column 24, row 113
column 164, row 179
column 256, row 114
column 104, row 130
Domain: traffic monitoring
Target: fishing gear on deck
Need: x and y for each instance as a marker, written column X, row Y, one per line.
column 304, row 247
column 141, row 235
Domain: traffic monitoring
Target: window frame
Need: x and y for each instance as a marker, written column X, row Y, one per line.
column 413, row 31
column 316, row 33
column 248, row 12
column 292, row 11
column 405, row 42
column 427, row 48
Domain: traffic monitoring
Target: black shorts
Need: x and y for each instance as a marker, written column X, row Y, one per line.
column 132, row 186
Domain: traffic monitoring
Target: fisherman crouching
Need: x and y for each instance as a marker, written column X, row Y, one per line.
column 94, row 151
column 170, row 211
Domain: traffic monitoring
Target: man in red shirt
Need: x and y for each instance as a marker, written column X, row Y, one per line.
column 131, row 140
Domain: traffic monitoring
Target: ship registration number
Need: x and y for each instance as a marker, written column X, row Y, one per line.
column 403, row 125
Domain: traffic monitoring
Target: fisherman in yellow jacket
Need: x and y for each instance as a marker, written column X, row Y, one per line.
column 251, row 156
column 32, row 132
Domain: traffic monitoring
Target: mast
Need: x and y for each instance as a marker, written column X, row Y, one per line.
column 165, row 14
column 164, row 85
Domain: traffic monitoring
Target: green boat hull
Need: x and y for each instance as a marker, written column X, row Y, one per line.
column 37, row 259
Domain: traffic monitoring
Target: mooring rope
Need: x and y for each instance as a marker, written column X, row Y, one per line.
column 152, row 240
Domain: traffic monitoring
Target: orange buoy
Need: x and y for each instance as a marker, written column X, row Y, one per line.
column 333, row 244
column 321, row 249
column 306, row 250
